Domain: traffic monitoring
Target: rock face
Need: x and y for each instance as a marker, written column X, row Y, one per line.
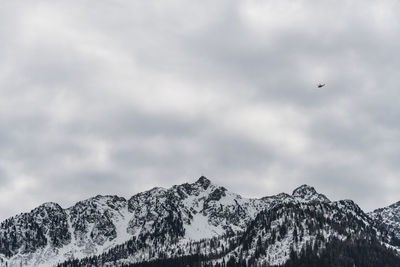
column 307, row 193
column 291, row 227
column 389, row 217
column 47, row 225
column 188, row 220
column 93, row 222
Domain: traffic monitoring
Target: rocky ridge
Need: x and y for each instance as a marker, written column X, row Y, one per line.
column 185, row 220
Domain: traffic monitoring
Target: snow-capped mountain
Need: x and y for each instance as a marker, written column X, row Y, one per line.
column 389, row 217
column 291, row 227
column 190, row 222
column 49, row 234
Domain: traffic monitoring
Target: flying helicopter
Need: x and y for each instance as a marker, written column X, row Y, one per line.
column 320, row 85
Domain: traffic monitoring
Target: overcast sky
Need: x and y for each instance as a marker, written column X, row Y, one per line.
column 116, row 97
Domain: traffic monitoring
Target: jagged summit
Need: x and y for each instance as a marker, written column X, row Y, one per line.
column 50, row 205
column 389, row 217
column 395, row 205
column 203, row 182
column 308, row 193
column 304, row 191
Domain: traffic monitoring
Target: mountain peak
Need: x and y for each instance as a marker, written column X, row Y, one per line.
column 203, row 182
column 395, row 205
column 308, row 193
column 303, row 190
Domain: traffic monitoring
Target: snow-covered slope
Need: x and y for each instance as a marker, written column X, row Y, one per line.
column 49, row 234
column 292, row 227
column 200, row 218
column 303, row 223
column 389, row 217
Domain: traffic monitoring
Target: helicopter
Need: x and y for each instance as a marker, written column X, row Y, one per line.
column 320, row 85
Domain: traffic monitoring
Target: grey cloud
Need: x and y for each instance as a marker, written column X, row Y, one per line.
column 116, row 97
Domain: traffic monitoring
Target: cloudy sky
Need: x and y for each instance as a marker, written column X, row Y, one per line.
column 116, row 97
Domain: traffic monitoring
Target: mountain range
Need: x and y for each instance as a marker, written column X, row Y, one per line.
column 203, row 224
